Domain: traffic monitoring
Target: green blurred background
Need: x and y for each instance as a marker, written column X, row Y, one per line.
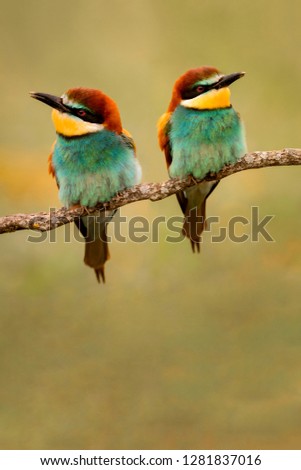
column 175, row 351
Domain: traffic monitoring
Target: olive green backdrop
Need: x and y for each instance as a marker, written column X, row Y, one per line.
column 176, row 350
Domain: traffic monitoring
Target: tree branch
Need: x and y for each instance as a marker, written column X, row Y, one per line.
column 43, row 221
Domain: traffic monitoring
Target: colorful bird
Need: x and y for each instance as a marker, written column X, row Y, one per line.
column 199, row 134
column 93, row 158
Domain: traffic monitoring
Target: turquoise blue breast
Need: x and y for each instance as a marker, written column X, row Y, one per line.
column 93, row 168
column 204, row 141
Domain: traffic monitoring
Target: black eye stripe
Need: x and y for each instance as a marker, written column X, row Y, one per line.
column 205, row 86
column 196, row 90
column 89, row 117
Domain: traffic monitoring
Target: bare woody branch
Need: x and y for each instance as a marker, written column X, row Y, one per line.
column 43, row 221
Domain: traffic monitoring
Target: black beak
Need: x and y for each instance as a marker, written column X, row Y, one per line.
column 53, row 101
column 226, row 80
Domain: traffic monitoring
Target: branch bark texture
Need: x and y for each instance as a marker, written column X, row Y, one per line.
column 43, row 221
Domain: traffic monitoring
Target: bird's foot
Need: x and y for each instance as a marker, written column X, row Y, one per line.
column 192, row 179
column 88, row 210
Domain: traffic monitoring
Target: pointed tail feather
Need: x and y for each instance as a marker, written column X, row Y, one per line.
column 194, row 224
column 195, row 212
column 96, row 255
column 94, row 229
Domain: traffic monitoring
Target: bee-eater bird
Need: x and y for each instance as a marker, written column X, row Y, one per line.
column 199, row 134
column 93, row 158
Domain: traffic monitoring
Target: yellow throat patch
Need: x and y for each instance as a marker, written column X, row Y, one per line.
column 70, row 126
column 213, row 99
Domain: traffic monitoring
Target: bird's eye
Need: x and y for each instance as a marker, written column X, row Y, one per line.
column 200, row 89
column 81, row 113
